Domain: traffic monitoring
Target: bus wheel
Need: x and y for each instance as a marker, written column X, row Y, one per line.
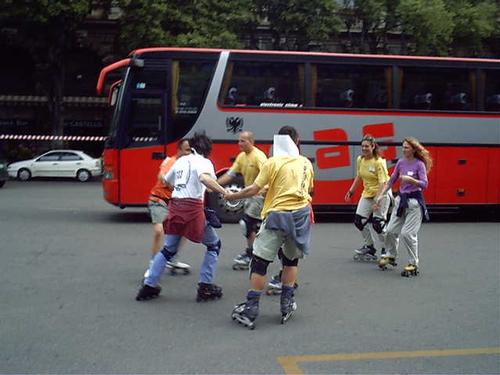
column 227, row 211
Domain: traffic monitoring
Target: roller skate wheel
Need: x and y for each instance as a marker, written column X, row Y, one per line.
column 355, row 257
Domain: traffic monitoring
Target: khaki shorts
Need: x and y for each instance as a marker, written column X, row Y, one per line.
column 253, row 206
column 158, row 211
column 268, row 242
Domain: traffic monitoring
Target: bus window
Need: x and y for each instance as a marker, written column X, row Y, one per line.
column 492, row 90
column 145, row 120
column 264, row 84
column 437, row 89
column 189, row 87
column 351, row 86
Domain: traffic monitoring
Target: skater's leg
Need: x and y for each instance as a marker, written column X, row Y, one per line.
column 209, row 266
column 158, row 212
column 258, row 272
column 409, row 239
column 363, row 212
column 160, row 259
column 392, row 233
column 379, row 222
column 266, row 247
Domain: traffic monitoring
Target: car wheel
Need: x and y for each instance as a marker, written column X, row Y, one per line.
column 24, row 174
column 227, row 211
column 2, row 183
column 83, row 175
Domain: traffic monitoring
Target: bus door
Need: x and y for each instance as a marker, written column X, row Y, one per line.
column 143, row 147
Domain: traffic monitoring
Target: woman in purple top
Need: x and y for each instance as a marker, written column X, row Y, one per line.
column 409, row 209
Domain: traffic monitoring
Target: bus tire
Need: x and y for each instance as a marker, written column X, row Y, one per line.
column 227, row 211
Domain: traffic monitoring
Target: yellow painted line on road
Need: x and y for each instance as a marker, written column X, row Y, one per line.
column 291, row 363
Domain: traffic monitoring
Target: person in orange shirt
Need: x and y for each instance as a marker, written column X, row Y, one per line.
column 158, row 203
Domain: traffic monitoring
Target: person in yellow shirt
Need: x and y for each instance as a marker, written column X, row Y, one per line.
column 371, row 169
column 286, row 223
column 248, row 164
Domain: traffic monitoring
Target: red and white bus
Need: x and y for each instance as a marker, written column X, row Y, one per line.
column 452, row 105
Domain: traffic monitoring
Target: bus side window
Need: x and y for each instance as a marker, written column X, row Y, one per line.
column 257, row 83
column 351, row 86
column 437, row 89
column 492, row 90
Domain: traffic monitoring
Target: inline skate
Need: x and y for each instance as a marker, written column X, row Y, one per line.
column 148, row 292
column 208, row 292
column 410, row 270
column 387, row 261
column 287, row 303
column 246, row 312
column 365, row 254
column 242, row 261
column 175, row 266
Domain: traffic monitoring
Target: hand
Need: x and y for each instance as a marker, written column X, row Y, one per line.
column 407, row 179
column 229, row 196
column 348, row 196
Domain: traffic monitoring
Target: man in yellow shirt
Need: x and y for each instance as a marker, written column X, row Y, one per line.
column 248, row 163
column 287, row 223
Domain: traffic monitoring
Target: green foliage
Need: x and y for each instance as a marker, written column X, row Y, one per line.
column 473, row 23
column 196, row 23
column 429, row 25
column 142, row 24
column 294, row 24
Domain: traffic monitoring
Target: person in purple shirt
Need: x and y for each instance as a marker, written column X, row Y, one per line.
column 409, row 208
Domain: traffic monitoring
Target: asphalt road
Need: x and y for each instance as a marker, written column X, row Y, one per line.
column 71, row 265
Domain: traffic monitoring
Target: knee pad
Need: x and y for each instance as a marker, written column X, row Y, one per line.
column 378, row 224
column 167, row 254
column 215, row 247
column 249, row 225
column 259, row 266
column 358, row 221
column 289, row 263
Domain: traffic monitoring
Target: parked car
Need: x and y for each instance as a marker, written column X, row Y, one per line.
column 4, row 175
column 57, row 163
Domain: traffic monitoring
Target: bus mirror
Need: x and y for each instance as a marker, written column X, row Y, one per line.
column 113, row 93
column 138, row 63
column 114, row 96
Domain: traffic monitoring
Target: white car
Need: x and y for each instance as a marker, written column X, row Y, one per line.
column 57, row 163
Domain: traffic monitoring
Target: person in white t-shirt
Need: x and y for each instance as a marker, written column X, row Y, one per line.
column 189, row 177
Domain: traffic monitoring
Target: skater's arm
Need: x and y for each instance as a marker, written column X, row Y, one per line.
column 225, row 179
column 352, row 189
column 211, row 184
column 247, row 192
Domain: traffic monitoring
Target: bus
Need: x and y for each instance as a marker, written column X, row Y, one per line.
column 160, row 95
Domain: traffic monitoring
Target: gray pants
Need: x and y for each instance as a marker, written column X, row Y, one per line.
column 406, row 228
column 365, row 209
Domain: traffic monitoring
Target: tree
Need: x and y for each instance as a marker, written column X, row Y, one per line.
column 142, row 24
column 195, row 23
column 295, row 24
column 48, row 30
column 474, row 22
column 428, row 24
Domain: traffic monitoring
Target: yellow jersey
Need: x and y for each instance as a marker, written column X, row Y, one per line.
column 290, row 180
column 249, row 165
column 373, row 172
